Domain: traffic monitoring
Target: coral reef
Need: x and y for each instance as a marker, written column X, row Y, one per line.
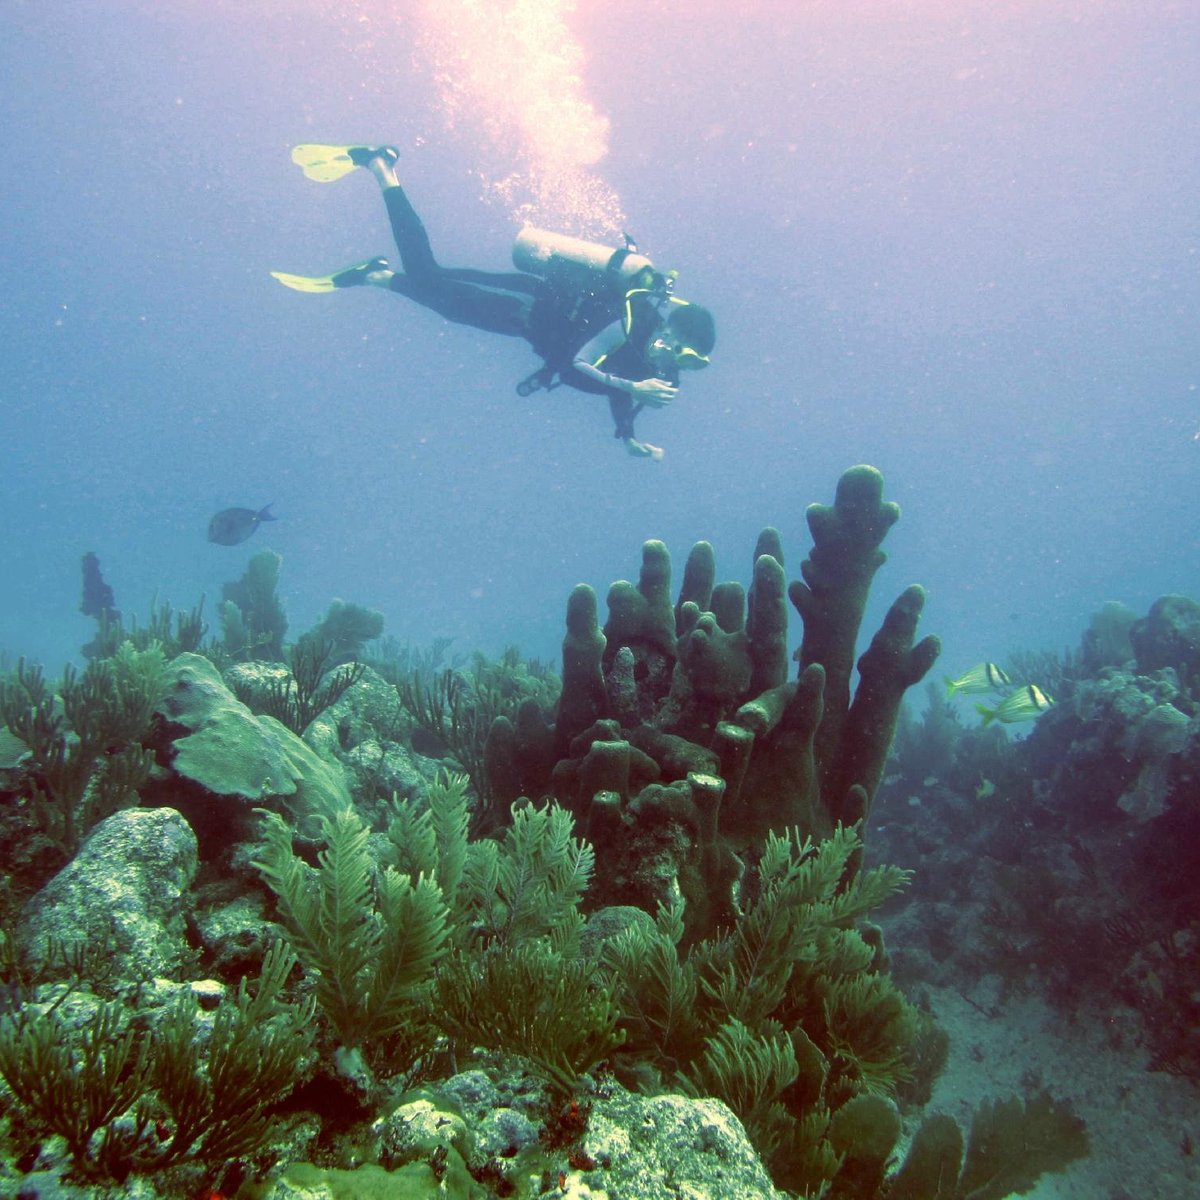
column 139, row 916
column 223, row 759
column 679, row 741
column 99, row 602
column 627, row 954
column 84, row 738
column 469, row 716
column 252, row 618
column 345, row 629
column 1066, row 861
column 297, row 696
column 370, row 940
column 127, row 1101
column 1168, row 636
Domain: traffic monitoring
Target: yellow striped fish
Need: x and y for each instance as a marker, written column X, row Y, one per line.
column 1023, row 705
column 987, row 677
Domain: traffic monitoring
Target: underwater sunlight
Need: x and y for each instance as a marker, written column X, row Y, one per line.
column 515, row 70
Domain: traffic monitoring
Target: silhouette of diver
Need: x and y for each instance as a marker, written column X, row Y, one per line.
column 603, row 321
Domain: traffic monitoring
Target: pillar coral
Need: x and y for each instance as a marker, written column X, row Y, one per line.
column 697, row 693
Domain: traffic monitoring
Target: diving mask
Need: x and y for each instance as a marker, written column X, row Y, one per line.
column 686, row 359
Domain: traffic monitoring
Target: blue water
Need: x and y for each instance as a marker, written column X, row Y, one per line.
column 959, row 241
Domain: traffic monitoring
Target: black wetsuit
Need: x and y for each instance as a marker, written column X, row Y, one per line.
column 517, row 304
column 499, row 302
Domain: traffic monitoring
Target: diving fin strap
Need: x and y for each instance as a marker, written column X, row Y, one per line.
column 543, row 379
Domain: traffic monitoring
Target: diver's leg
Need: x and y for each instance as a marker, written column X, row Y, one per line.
column 504, row 281
column 416, row 253
column 408, row 230
column 492, row 301
column 463, row 303
column 381, row 162
column 412, row 240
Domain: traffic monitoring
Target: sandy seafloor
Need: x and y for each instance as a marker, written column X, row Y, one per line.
column 1137, row 1120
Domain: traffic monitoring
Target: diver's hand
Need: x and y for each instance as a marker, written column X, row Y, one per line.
column 654, row 393
column 643, row 449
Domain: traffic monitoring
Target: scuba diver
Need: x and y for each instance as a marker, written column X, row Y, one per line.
column 603, row 321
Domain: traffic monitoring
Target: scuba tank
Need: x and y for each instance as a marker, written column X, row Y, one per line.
column 574, row 263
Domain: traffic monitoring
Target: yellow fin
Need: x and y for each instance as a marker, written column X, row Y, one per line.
column 323, row 163
column 305, row 283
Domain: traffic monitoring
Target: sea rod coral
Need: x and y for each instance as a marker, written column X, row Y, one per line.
column 680, row 742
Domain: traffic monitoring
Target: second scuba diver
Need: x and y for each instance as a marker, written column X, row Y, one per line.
column 603, row 321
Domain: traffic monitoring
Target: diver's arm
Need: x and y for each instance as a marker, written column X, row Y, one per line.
column 610, row 338
column 643, row 449
column 654, row 392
